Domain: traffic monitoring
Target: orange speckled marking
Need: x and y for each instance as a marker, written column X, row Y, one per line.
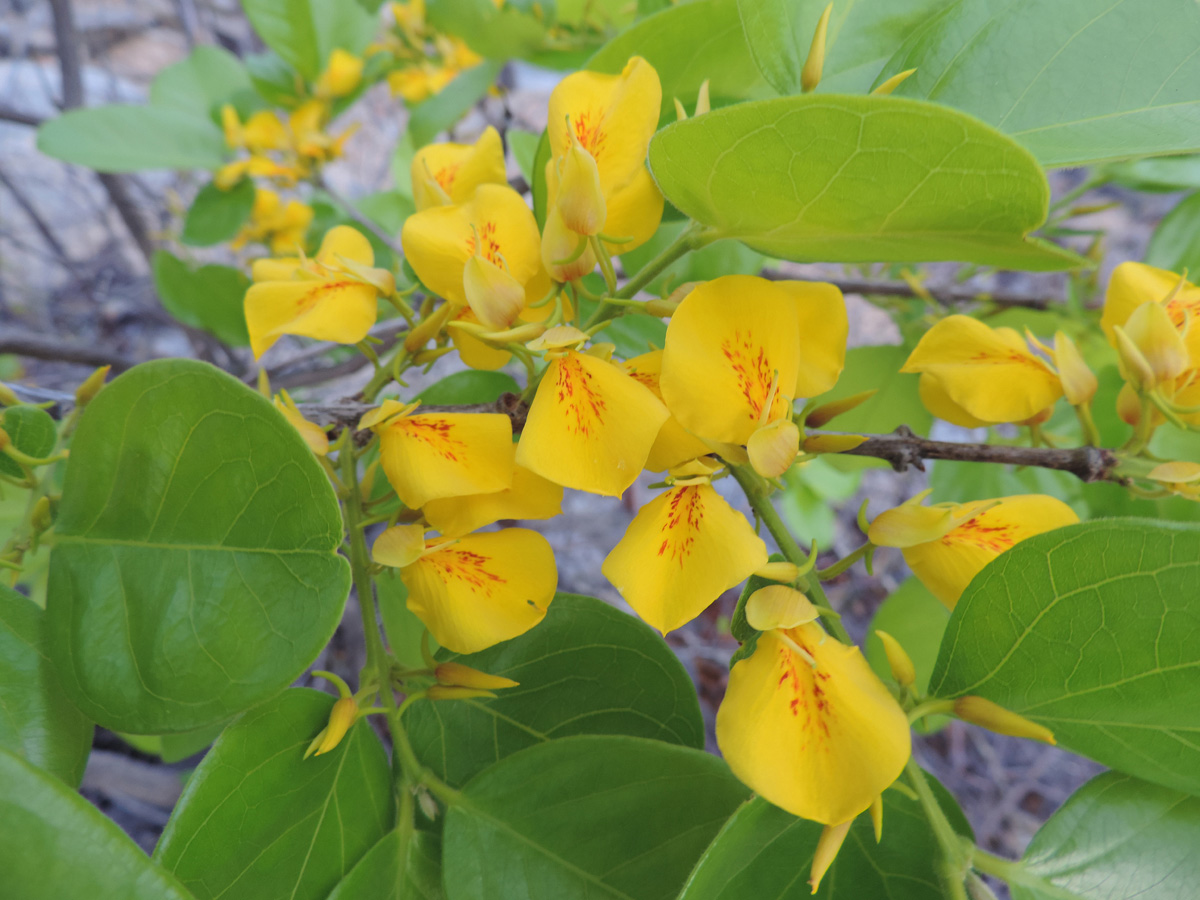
column 445, row 176
column 685, row 509
column 805, row 684
column 584, row 408
column 753, row 370
column 995, row 538
column 1182, row 306
column 453, row 564
column 1012, row 356
column 309, row 299
column 589, row 129
column 434, row 432
column 491, row 244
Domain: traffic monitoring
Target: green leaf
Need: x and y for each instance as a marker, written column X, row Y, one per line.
column 897, row 401
column 210, row 297
column 377, row 875
column 1116, row 838
column 470, row 386
column 496, row 33
column 388, row 209
column 31, row 431
column 1075, row 81
column 341, row 25
column 634, row 686
column 888, row 180
column 273, row 78
column 57, row 845
column 524, row 147
column 766, row 854
column 709, row 262
column 1093, row 631
column 287, row 27
column 537, row 188
column 402, row 627
column 775, row 45
column 611, row 817
column 915, row 618
column 1168, row 173
column 37, row 721
column 133, row 138
column 172, row 748
column 257, row 821
column 962, row 482
column 451, row 103
column 209, row 76
column 195, row 569
column 216, row 215
column 1175, row 244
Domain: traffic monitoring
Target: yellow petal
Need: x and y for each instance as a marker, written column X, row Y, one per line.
column 681, row 551
column 342, row 310
column 910, row 524
column 341, row 76
column 263, row 131
column 475, row 353
column 938, row 402
column 561, row 249
column 635, row 211
column 1134, row 283
column 483, row 588
column 674, row 444
column 819, row 741
column 427, row 457
column 283, row 269
column 778, row 606
column 385, row 411
column 530, row 497
column 947, row 565
column 1176, row 472
column 399, row 546
column 824, row 328
column 494, row 296
column 438, row 241
column 1079, row 382
column 347, row 243
column 590, row 426
column 449, row 173
column 832, row 836
column 989, row 372
column 579, row 197
column 314, row 435
column 772, row 449
column 728, row 344
column 1152, row 332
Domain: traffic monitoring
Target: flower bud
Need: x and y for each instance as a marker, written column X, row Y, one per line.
column 561, row 251
column 5, row 440
column 7, row 396
column 91, row 386
column 703, row 103
column 828, row 846
column 663, row 308
column 993, row 717
column 343, row 715
column 786, row 572
column 898, row 660
column 454, row 674
column 428, row 328
column 827, row 412
column 778, row 606
column 1161, row 355
column 892, row 83
column 493, row 294
column 580, row 196
column 810, row 75
column 877, row 817
column 832, row 443
column 1078, row 381
column 530, row 331
column 453, row 692
column 427, row 803
column 1129, row 407
column 772, row 449
column 40, row 517
column 425, row 357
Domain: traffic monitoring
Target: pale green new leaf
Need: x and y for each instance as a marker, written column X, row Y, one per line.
column 1116, row 838
column 195, row 570
column 858, row 179
column 211, row 297
column 1075, row 81
column 1093, row 631
column 1175, row 244
column 207, row 77
column 122, row 138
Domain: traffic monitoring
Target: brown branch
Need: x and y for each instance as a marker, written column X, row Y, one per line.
column 36, row 346
column 346, row 414
column 903, row 450
column 946, row 296
column 17, row 117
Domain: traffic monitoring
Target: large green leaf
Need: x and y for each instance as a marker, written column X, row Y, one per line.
column 1175, row 244
column 216, row 215
column 37, row 721
column 210, row 297
column 132, row 138
column 858, row 179
column 596, row 817
column 209, row 76
column 1075, row 81
column 55, row 845
column 1163, row 173
column 377, row 874
column 195, row 569
column 1093, row 631
column 1116, row 838
column 585, row 669
column 765, row 853
column 258, row 821
column 774, row 42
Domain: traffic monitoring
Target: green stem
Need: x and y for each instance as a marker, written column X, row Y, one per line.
column 833, row 571
column 758, row 492
column 1091, row 434
column 384, row 373
column 1014, row 872
column 955, row 857
column 606, row 266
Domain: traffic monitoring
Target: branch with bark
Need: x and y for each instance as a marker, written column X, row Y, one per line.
column 946, row 296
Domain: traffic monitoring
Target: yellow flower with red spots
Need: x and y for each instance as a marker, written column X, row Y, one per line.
column 446, row 173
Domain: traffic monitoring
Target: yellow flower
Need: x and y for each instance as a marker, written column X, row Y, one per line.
column 429, row 456
column 475, row 591
column 740, row 349
column 331, row 297
column 591, row 426
column 1181, row 478
column 496, row 226
column 680, row 553
column 1151, row 350
column 262, row 132
column 529, row 497
column 341, row 76
column 256, row 166
column 807, row 725
column 447, row 173
column 674, row 445
column 309, row 140
column 341, row 718
column 976, row 374
column 280, row 226
column 314, row 435
column 947, row 545
column 609, row 119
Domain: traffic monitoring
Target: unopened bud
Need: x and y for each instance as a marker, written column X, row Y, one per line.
column 828, row 846
column 7, row 396
column 892, row 83
column 561, row 250
column 399, row 546
column 703, row 104
column 425, row 357
column 877, row 817
column 898, row 660
column 428, row 328
column 454, row 674
column 521, row 334
column 493, row 294
column 680, row 112
column 1161, row 345
column 827, row 412
column 427, row 803
column 1135, row 368
column 664, row 309
column 787, row 572
column 342, row 75
column 341, row 717
column 5, row 440
column 832, row 443
column 580, row 196
column 86, row 392
column 452, row 692
column 1078, row 381
column 41, row 517
column 994, row 717
column 772, row 449
column 810, row 75
column 1130, row 408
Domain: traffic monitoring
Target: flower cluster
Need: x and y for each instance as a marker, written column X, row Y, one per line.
column 423, row 60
